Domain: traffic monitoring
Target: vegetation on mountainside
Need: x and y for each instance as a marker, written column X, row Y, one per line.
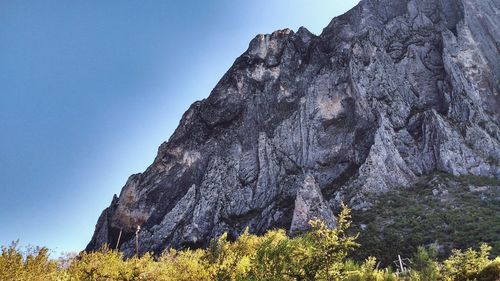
column 320, row 254
column 445, row 210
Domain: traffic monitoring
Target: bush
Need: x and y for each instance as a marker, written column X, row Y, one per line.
column 320, row 254
column 491, row 272
column 368, row 271
column 466, row 265
column 33, row 265
column 424, row 266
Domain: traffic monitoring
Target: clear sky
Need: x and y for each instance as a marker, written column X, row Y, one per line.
column 90, row 89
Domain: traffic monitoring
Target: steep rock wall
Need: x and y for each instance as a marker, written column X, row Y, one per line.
column 390, row 91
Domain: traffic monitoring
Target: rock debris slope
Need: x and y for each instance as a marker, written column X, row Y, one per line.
column 390, row 91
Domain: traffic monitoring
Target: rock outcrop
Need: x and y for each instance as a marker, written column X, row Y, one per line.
column 390, row 91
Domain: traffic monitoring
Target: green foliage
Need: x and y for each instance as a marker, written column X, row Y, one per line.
column 320, row 254
column 490, row 272
column 330, row 248
column 231, row 260
column 108, row 264
column 467, row 265
column 34, row 265
column 441, row 208
column 274, row 257
column 424, row 266
column 368, row 271
column 182, row 266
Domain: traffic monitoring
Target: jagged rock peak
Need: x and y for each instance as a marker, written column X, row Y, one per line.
column 389, row 92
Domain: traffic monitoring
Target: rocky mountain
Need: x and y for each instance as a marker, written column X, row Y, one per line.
column 390, row 92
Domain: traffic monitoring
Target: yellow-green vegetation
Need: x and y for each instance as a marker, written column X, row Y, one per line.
column 320, row 254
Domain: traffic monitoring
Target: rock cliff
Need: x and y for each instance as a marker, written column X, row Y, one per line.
column 389, row 92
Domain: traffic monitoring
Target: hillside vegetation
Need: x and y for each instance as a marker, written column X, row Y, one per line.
column 448, row 211
column 320, row 254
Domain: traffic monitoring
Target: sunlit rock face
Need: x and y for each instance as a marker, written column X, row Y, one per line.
column 390, row 91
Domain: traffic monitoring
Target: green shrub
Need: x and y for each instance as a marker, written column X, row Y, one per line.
column 33, row 265
column 319, row 254
column 424, row 266
column 491, row 272
column 440, row 208
column 368, row 271
column 466, row 265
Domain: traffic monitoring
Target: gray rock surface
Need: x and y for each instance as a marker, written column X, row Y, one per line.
column 310, row 205
column 390, row 91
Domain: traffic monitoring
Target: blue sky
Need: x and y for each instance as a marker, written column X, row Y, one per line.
column 90, row 89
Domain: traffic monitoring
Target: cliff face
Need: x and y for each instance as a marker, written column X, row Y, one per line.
column 390, row 91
